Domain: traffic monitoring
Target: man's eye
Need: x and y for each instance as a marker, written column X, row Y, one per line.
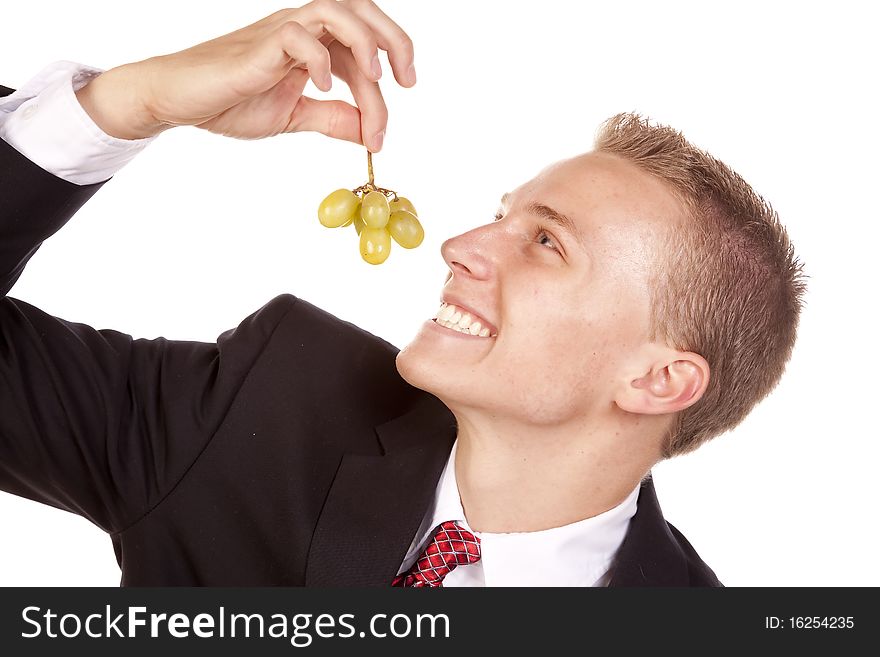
column 543, row 237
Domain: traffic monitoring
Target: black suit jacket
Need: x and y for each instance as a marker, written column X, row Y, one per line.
column 290, row 452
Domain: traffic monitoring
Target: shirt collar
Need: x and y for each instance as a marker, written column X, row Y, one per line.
column 577, row 554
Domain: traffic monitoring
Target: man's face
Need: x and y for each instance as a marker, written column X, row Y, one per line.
column 561, row 279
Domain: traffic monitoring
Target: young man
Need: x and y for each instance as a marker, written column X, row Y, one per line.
column 640, row 299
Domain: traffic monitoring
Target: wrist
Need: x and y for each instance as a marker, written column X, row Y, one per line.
column 115, row 101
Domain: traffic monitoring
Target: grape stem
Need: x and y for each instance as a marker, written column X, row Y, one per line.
column 370, row 185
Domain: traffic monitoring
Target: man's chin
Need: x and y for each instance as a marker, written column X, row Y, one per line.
column 435, row 366
column 412, row 371
column 422, row 372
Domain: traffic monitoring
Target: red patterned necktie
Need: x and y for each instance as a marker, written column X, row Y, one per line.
column 451, row 546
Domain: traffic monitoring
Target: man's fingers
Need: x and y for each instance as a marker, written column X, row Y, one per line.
column 333, row 118
column 325, row 37
column 302, row 48
column 390, row 37
column 367, row 96
column 348, row 29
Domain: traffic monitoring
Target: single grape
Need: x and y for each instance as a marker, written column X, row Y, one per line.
column 355, row 214
column 337, row 208
column 406, row 229
column 374, row 210
column 403, row 203
column 375, row 245
column 358, row 224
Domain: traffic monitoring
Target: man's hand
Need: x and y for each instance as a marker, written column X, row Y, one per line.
column 248, row 84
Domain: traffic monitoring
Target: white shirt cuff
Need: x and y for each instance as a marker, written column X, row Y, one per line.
column 44, row 121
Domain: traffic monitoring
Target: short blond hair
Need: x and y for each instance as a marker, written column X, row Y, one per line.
column 728, row 285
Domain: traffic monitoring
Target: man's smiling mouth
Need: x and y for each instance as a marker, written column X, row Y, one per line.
column 461, row 320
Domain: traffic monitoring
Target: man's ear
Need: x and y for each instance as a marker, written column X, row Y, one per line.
column 669, row 381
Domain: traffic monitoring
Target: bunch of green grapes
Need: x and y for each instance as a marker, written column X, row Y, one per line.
column 378, row 215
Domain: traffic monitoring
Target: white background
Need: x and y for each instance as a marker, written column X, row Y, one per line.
column 200, row 231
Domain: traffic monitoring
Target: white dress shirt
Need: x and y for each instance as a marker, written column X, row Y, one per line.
column 577, row 554
column 44, row 121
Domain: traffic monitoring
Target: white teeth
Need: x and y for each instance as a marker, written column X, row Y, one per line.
column 452, row 318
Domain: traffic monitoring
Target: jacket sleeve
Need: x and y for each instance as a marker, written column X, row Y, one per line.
column 94, row 421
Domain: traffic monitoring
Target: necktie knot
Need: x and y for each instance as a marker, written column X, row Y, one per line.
column 451, row 546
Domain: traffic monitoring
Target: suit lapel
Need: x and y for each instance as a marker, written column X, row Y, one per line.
column 377, row 502
column 649, row 555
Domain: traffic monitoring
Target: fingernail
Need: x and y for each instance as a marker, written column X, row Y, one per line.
column 328, row 81
column 374, row 65
column 411, row 73
column 377, row 141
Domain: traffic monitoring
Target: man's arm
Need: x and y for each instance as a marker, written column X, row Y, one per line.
column 94, row 421
column 44, row 121
column 35, row 204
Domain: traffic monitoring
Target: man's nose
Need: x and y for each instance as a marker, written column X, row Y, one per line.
column 470, row 254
